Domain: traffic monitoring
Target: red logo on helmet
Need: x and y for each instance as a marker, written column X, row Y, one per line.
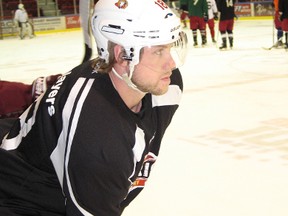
column 122, row 4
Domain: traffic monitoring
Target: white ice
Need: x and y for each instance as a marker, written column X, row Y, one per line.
column 226, row 151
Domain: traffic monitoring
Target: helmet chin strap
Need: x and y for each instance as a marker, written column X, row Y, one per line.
column 127, row 79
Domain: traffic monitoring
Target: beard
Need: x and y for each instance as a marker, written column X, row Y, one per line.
column 157, row 88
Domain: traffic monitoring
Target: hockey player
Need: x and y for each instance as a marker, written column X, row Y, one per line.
column 21, row 17
column 277, row 23
column 198, row 14
column 212, row 15
column 283, row 11
column 226, row 23
column 15, row 97
column 183, row 11
column 86, row 146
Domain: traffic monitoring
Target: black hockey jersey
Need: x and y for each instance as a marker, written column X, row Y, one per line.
column 79, row 150
column 226, row 9
column 283, row 7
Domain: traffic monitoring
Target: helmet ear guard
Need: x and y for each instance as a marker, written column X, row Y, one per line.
column 129, row 54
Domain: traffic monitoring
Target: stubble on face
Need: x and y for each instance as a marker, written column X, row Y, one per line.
column 153, row 72
column 154, row 85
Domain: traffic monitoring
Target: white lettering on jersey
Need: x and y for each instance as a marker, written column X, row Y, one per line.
column 51, row 96
column 229, row 3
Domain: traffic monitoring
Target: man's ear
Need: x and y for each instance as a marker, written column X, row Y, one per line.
column 119, row 54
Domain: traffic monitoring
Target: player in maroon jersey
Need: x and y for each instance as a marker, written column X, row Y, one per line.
column 15, row 97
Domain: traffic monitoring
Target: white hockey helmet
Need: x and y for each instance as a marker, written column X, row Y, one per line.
column 135, row 24
column 20, row 6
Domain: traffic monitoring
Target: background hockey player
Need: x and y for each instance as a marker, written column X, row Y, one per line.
column 15, row 97
column 212, row 15
column 277, row 24
column 226, row 23
column 22, row 19
column 198, row 14
column 283, row 11
column 82, row 147
column 183, row 11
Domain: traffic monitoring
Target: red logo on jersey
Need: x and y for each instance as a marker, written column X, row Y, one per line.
column 148, row 162
column 122, row 4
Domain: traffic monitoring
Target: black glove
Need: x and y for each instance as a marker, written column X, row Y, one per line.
column 205, row 16
column 216, row 17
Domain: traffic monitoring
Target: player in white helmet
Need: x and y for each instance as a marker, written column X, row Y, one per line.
column 22, row 19
column 134, row 29
column 87, row 146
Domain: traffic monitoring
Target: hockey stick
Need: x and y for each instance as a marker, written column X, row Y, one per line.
column 218, row 31
column 273, row 46
column 217, row 37
column 273, row 26
column 32, row 27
